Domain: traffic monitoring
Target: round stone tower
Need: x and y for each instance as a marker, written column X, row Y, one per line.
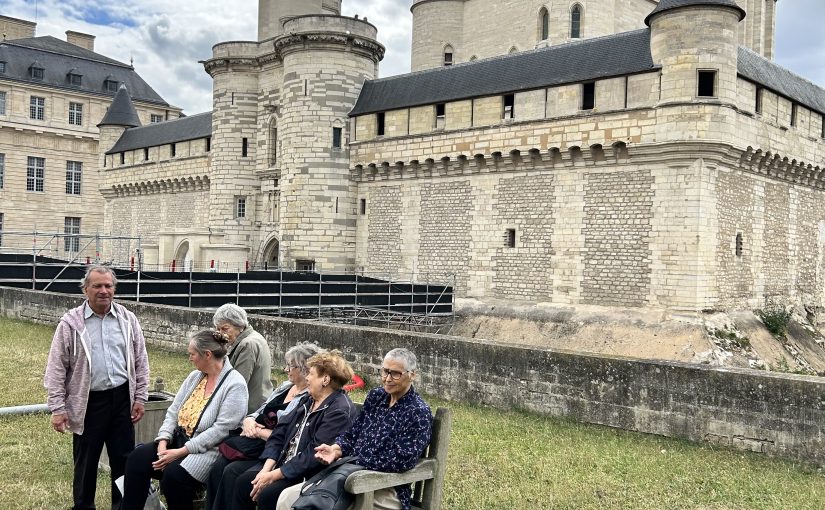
column 272, row 14
column 326, row 60
column 436, row 24
column 696, row 43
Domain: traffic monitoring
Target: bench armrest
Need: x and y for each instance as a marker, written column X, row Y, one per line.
column 368, row 481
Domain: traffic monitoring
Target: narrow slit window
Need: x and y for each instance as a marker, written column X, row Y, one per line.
column 758, row 106
column 707, row 84
column 208, row 143
column 336, row 137
column 794, row 114
column 588, row 95
column 122, row 158
column 363, row 206
column 544, row 20
column 172, row 150
column 739, row 244
column 244, row 147
column 146, row 154
column 379, row 123
column 510, row 238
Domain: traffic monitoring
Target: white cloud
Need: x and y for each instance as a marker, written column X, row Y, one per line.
column 166, row 39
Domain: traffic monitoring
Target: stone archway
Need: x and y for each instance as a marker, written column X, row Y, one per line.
column 183, row 256
column 271, row 256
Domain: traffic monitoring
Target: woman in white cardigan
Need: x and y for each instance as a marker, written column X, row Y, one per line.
column 211, row 402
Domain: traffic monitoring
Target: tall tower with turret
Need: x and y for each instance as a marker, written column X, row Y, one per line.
column 279, row 172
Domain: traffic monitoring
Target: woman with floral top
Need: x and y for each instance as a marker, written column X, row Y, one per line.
column 389, row 435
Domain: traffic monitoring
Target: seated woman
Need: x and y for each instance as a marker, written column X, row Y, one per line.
column 389, row 435
column 248, row 352
column 258, row 425
column 289, row 456
column 211, row 402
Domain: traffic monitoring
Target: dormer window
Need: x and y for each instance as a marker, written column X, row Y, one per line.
column 74, row 78
column 2, row 67
column 36, row 71
column 110, row 84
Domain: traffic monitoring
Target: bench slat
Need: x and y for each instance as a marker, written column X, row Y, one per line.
column 368, row 481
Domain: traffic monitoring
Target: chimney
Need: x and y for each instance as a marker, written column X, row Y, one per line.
column 13, row 28
column 79, row 39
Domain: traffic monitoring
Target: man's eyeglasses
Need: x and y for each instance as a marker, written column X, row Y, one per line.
column 289, row 367
column 392, row 374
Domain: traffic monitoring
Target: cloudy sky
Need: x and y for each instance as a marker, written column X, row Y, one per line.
column 167, row 38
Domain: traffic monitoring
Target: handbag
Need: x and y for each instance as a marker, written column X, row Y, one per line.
column 325, row 490
column 237, row 447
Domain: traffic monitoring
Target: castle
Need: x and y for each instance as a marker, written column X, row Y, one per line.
column 650, row 155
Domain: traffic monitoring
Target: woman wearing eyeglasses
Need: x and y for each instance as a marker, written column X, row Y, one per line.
column 257, row 427
column 389, row 435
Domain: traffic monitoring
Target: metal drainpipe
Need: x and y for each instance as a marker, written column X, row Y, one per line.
column 29, row 409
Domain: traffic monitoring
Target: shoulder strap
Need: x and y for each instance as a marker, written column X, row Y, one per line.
column 211, row 397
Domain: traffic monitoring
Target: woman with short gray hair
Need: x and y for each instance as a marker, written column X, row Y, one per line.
column 248, row 352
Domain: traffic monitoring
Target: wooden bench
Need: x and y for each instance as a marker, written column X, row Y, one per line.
column 428, row 475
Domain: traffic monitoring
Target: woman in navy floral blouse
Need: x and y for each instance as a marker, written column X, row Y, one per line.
column 389, row 435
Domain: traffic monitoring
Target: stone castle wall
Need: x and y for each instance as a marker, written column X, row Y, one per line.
column 775, row 414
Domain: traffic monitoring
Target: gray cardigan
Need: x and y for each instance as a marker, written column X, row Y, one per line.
column 224, row 413
column 251, row 358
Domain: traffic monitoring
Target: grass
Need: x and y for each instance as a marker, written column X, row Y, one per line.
column 498, row 460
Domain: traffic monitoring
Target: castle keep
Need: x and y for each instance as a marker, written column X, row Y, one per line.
column 648, row 156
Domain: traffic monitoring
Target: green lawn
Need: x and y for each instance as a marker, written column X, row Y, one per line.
column 498, row 460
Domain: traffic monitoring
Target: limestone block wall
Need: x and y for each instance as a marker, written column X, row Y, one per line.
column 458, row 114
column 771, row 413
column 459, row 23
column 642, row 90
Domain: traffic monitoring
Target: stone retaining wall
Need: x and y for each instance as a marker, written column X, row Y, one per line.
column 777, row 414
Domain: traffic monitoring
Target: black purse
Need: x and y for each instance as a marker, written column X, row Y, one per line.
column 325, row 490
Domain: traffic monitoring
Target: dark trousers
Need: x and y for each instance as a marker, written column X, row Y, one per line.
column 221, row 482
column 268, row 497
column 176, row 484
column 108, row 422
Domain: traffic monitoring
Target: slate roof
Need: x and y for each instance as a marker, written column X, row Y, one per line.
column 588, row 59
column 666, row 5
column 58, row 57
column 171, row 131
column 762, row 71
column 121, row 112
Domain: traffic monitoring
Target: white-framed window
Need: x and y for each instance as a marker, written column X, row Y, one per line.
column 2, row 102
column 2, row 170
column 74, row 174
column 35, row 173
column 37, row 108
column 76, row 114
column 155, row 119
column 71, row 226
column 240, row 207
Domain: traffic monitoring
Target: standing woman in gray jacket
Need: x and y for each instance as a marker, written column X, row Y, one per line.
column 211, row 402
column 248, row 352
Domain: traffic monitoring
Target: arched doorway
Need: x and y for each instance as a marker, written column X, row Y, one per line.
column 183, row 256
column 271, row 254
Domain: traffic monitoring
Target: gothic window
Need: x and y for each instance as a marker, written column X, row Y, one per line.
column 273, row 143
column 544, row 24
column 448, row 55
column 576, row 22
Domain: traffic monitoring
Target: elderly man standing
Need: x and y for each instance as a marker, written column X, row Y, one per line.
column 97, row 380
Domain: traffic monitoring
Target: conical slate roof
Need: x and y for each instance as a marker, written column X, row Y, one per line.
column 121, row 112
column 666, row 5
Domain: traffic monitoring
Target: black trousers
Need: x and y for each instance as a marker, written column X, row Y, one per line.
column 221, row 482
column 108, row 422
column 176, row 484
column 268, row 497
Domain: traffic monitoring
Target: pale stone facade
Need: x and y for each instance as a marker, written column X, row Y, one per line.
column 690, row 183
column 53, row 127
